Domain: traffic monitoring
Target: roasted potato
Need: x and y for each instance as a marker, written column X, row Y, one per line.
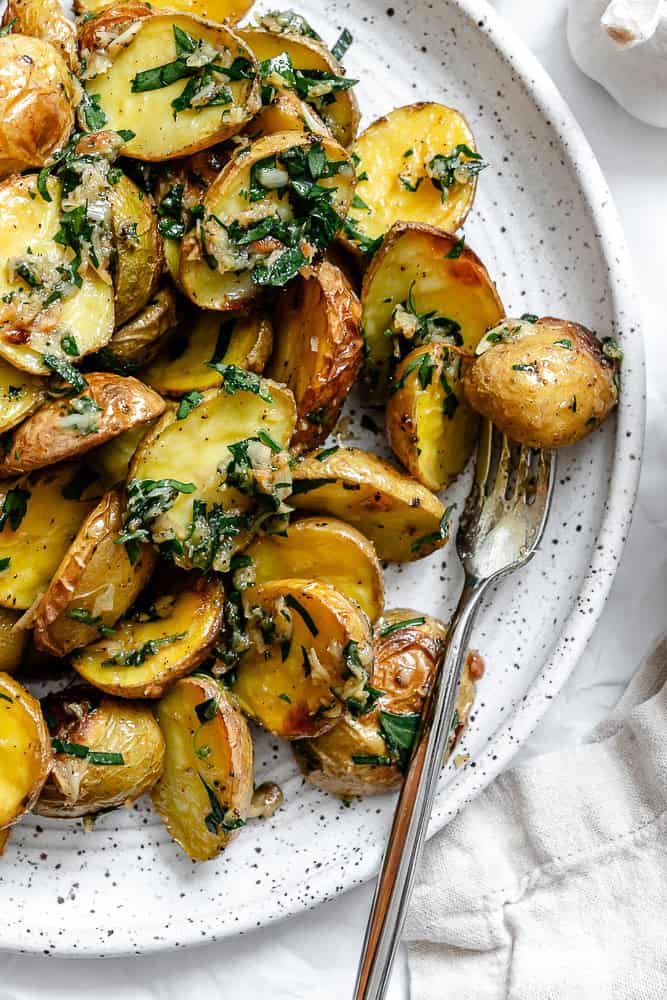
column 286, row 113
column 25, row 751
column 323, row 549
column 64, row 428
column 422, row 286
column 124, row 72
column 259, row 227
column 150, row 649
column 95, row 583
column 45, row 320
column 139, row 340
column 430, row 427
column 310, row 652
column 312, row 72
column 404, row 520
column 37, row 96
column 318, row 348
column 40, row 515
column 417, row 164
column 244, row 340
column 213, row 470
column 366, row 754
column 138, row 244
column 20, row 395
column 214, row 10
column 545, row 383
column 13, row 641
column 205, row 792
column 47, row 20
column 4, row 839
column 112, row 460
column 108, row 753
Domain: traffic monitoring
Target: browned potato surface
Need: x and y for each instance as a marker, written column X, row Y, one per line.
column 47, row 20
column 138, row 244
column 138, row 341
column 25, row 751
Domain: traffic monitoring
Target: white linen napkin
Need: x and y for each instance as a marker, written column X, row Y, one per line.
column 552, row 884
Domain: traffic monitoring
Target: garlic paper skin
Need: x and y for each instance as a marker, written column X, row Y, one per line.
column 623, row 45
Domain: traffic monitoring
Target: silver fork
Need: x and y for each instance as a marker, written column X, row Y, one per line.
column 499, row 531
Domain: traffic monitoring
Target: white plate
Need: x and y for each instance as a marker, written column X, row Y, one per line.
column 546, row 228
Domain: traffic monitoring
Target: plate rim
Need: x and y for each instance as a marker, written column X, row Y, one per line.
column 619, row 504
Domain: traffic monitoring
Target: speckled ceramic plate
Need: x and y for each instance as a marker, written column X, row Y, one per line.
column 546, row 228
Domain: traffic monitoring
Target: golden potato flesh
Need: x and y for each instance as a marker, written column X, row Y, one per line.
column 64, row 428
column 20, row 395
column 95, row 583
column 205, row 792
column 138, row 244
column 47, row 20
column 545, row 384
column 403, row 519
column 286, row 113
column 40, row 515
column 202, row 107
column 112, row 460
column 13, row 642
column 430, row 427
column 418, row 164
column 25, row 751
column 422, row 286
column 150, row 650
column 324, row 549
column 214, row 10
column 209, row 337
column 138, row 341
column 37, row 97
column 310, row 652
column 34, row 330
column 318, row 348
column 108, row 753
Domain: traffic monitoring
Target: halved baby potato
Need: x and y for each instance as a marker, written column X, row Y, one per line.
column 310, row 651
column 95, row 583
column 108, row 753
column 13, row 641
column 318, row 348
column 234, row 251
column 176, row 111
column 139, row 256
column 138, row 341
column 150, row 650
column 112, row 460
column 315, row 79
column 215, row 459
column 403, row 519
column 20, row 395
column 40, row 515
column 47, row 20
column 25, row 751
column 210, row 338
column 214, row 10
column 205, row 792
column 64, row 428
column 286, row 113
column 417, row 164
column 323, row 549
column 422, row 286
column 430, row 427
column 35, row 327
column 545, row 383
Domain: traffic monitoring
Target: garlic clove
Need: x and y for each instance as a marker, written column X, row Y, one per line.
column 632, row 22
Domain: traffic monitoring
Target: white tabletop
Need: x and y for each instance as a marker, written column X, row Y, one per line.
column 315, row 955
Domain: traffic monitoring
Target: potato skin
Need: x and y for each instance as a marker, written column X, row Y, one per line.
column 13, row 642
column 542, row 393
column 20, row 395
column 25, row 751
column 318, row 349
column 84, row 716
column 41, row 440
column 140, row 256
column 138, row 341
column 45, row 19
column 214, row 10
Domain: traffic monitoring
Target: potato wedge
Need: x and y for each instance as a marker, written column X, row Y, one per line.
column 546, row 383
column 416, row 289
column 112, row 461
column 25, row 751
column 40, row 515
column 310, row 652
column 47, row 20
column 418, row 164
column 244, row 242
column 403, row 519
column 430, row 427
column 286, row 113
column 215, row 10
column 244, row 340
column 205, row 792
column 30, row 327
column 139, row 256
column 126, row 78
column 139, row 340
column 204, row 482
column 64, row 428
column 95, row 583
column 108, row 752
column 323, row 549
column 316, row 69
column 318, row 349
column 150, row 650
column 13, row 642
column 20, row 395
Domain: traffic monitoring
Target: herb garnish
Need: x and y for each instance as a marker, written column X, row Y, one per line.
column 219, row 818
column 397, row 626
column 146, row 500
column 296, row 605
column 14, row 507
column 442, row 534
column 372, row 760
column 67, row 372
column 235, row 379
column 342, row 44
column 4, row 563
column 188, row 403
column 206, row 710
column 135, row 657
column 400, row 732
column 445, row 171
column 92, row 756
column 83, row 616
column 456, row 250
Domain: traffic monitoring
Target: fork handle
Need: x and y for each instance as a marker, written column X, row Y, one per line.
column 408, row 832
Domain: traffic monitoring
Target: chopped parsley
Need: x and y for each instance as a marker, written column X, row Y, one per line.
column 220, row 818
column 400, row 732
column 563, row 342
column 188, row 403
column 67, row 372
column 85, row 753
column 69, row 345
column 456, row 250
column 83, row 616
column 327, row 453
column 459, row 167
column 93, row 115
column 397, row 626
column 4, row 563
column 372, row 760
column 146, row 500
column 206, row 710
column 82, row 417
column 14, row 507
column 434, row 537
column 235, row 379
column 342, row 44
column 135, row 657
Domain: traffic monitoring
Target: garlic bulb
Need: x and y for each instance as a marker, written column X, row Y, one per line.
column 623, row 45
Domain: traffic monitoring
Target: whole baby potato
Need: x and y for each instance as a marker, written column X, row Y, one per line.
column 545, row 383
